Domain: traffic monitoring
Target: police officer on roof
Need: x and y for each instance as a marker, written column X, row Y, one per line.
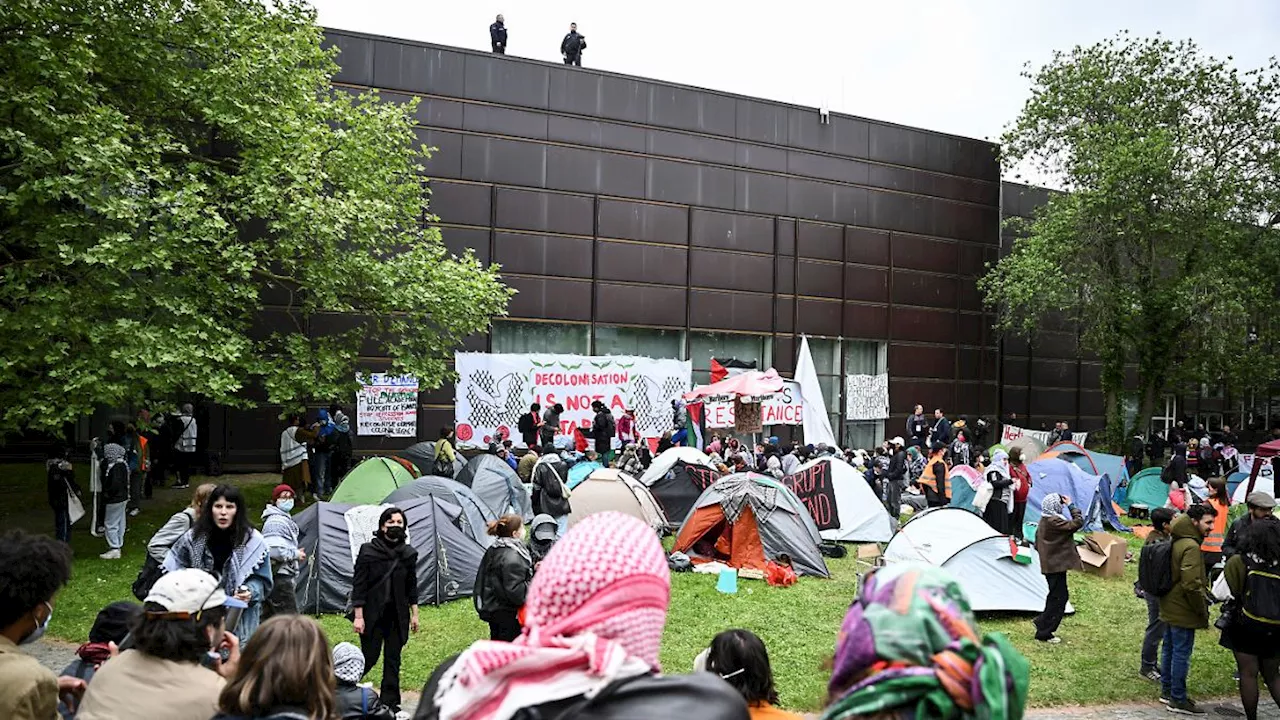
column 498, row 36
column 572, row 46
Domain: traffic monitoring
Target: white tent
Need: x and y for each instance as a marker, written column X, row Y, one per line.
column 608, row 489
column 662, row 464
column 862, row 518
column 1266, row 483
column 979, row 557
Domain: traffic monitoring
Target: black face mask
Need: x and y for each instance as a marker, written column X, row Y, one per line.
column 395, row 533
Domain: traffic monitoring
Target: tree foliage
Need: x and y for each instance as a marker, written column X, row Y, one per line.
column 189, row 208
column 1159, row 247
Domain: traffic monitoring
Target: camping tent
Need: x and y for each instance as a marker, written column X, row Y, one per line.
column 1094, row 463
column 1091, row 493
column 1264, row 451
column 332, row 533
column 494, row 482
column 858, row 514
column 476, row 516
column 745, row 520
column 608, row 489
column 964, row 481
column 580, row 471
column 1146, row 488
column 1031, row 447
column 1235, row 480
column 677, row 478
column 423, row 456
column 980, row 558
column 370, row 481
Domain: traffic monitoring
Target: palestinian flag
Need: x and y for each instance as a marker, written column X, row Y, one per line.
column 722, row 368
column 697, row 425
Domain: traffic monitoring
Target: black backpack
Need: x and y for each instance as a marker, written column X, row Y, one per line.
column 1260, row 606
column 1166, row 474
column 1155, row 568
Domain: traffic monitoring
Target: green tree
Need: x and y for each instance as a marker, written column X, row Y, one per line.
column 1158, row 248
column 188, row 207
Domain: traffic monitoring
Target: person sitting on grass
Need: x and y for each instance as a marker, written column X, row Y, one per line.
column 180, row 656
column 910, row 648
column 33, row 568
column 593, row 630
column 355, row 701
column 109, row 630
column 739, row 657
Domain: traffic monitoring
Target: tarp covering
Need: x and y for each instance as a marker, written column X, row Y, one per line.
column 1146, row 488
column 448, row 557
column 371, row 481
column 494, row 482
column 861, row 516
column 608, row 489
column 745, row 519
column 1094, row 463
column 964, row 482
column 423, row 456
column 580, row 471
column 978, row 557
column 476, row 515
column 751, row 383
column 1090, row 493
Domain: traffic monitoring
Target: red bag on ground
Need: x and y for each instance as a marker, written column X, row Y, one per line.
column 779, row 575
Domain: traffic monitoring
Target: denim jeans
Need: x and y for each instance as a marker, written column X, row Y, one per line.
column 320, row 482
column 1155, row 633
column 62, row 525
column 562, row 526
column 1176, row 662
column 114, row 520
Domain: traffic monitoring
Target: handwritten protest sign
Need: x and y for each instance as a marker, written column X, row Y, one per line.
column 387, row 405
column 813, row 487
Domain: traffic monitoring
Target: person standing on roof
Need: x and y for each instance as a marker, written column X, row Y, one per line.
column 498, row 36
column 1055, row 542
column 572, row 46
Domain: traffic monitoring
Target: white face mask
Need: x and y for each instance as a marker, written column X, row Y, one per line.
column 40, row 628
column 285, row 504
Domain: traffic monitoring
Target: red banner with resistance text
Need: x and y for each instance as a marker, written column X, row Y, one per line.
column 813, row 487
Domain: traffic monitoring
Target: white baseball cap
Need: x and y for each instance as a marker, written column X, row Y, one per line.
column 897, row 441
column 187, row 590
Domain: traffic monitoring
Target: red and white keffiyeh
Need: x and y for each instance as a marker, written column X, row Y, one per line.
column 595, row 614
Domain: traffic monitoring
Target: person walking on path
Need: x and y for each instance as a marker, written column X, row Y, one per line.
column 1185, row 608
column 1055, row 542
column 1160, row 520
column 1253, row 634
column 572, row 46
column 282, row 535
column 502, row 582
column 498, row 36
column 384, row 598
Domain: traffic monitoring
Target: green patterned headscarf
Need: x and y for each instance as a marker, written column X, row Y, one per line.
column 910, row 644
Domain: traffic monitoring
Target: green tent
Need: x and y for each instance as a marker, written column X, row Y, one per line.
column 371, row 481
column 1146, row 488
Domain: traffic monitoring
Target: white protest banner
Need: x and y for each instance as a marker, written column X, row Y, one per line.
column 494, row 390
column 1013, row 432
column 785, row 407
column 867, row 397
column 387, row 405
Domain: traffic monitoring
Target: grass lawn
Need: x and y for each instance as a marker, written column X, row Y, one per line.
column 1096, row 663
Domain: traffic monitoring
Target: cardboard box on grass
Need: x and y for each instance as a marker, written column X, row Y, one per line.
column 1103, row 554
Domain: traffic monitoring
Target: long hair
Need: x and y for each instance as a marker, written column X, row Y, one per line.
column 240, row 527
column 505, row 526
column 286, row 663
column 739, row 656
column 1263, row 540
column 1218, row 490
column 201, row 496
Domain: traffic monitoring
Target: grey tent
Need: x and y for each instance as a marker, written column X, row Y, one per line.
column 332, row 533
column 476, row 515
column 493, row 480
column 423, row 456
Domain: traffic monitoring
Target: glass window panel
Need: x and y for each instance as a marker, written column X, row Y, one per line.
column 645, row 342
column 826, row 355
column 864, row 434
column 704, row 346
column 831, row 387
column 863, row 357
column 523, row 337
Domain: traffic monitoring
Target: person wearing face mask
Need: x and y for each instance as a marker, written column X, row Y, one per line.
column 33, row 568
column 384, row 598
column 181, row 657
column 281, row 534
column 224, row 544
column 503, row 579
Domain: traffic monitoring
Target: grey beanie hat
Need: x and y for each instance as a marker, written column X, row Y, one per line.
column 348, row 662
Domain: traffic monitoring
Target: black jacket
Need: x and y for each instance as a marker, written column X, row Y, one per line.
column 548, row 496
column 386, row 580
column 603, row 429
column 701, row 695
column 277, row 713
column 498, row 35
column 941, row 429
column 502, row 581
column 917, row 427
column 1235, row 535
column 528, row 427
column 573, row 44
column 1178, row 469
column 57, row 480
column 897, row 467
column 357, row 703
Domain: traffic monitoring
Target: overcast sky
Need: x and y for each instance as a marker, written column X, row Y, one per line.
column 948, row 65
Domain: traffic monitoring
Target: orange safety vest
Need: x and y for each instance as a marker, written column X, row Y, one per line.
column 929, row 478
column 1213, row 543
